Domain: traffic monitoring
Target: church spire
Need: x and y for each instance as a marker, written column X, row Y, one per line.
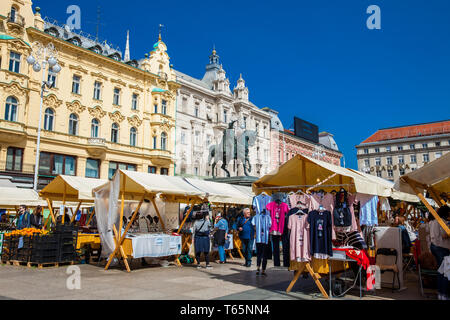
column 127, row 48
column 214, row 58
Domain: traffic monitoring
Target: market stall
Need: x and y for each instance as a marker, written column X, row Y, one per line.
column 226, row 195
column 317, row 183
column 138, row 187
column 433, row 178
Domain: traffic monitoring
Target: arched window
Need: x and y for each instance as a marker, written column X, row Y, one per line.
column 73, row 124
column 133, row 134
column 48, row 119
column 11, row 109
column 13, row 14
column 163, row 141
column 115, row 133
column 94, row 128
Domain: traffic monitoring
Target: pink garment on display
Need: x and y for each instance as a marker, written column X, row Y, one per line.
column 295, row 198
column 351, row 200
column 277, row 214
column 299, row 240
column 327, row 201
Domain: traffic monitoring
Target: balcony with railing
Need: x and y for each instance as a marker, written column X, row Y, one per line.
column 15, row 19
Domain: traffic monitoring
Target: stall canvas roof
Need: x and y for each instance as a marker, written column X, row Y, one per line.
column 435, row 175
column 395, row 194
column 244, row 189
column 302, row 172
column 76, row 188
column 138, row 183
column 12, row 197
column 221, row 192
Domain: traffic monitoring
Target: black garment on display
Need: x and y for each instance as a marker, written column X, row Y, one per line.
column 342, row 216
column 320, row 232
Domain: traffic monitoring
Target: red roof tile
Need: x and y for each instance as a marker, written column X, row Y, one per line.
column 426, row 129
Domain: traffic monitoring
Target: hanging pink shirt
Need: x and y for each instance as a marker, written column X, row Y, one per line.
column 299, row 241
column 327, row 201
column 277, row 214
column 294, row 198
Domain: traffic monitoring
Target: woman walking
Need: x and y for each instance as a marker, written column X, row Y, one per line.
column 202, row 243
column 220, row 236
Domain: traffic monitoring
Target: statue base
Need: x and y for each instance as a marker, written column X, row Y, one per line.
column 242, row 181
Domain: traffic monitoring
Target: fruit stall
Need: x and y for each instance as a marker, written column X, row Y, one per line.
column 36, row 247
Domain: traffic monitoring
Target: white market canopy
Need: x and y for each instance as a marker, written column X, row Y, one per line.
column 222, row 193
column 435, row 176
column 72, row 189
column 14, row 197
column 395, row 194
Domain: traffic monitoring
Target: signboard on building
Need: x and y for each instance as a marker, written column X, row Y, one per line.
column 306, row 130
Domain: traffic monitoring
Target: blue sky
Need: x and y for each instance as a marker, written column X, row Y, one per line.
column 312, row 59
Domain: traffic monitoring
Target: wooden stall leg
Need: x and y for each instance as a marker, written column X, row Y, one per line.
column 76, row 211
column 316, row 278
column 90, row 218
column 296, row 276
column 50, row 207
column 157, row 212
column 122, row 252
column 122, row 238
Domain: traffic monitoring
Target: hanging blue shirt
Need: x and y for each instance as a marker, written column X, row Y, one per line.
column 262, row 223
column 260, row 202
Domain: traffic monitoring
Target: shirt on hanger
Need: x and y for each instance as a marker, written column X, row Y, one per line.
column 277, row 214
column 295, row 198
column 299, row 240
column 326, row 200
column 260, row 202
column 320, row 234
column 368, row 214
column 385, row 206
column 262, row 223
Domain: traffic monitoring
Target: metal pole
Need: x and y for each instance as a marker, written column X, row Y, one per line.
column 36, row 165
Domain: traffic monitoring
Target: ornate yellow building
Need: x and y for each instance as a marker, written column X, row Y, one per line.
column 104, row 112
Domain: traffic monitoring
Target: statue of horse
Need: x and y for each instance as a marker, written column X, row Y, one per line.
column 233, row 148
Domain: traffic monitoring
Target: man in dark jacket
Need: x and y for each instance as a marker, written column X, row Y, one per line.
column 23, row 221
column 246, row 234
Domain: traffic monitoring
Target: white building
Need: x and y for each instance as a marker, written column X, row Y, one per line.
column 204, row 110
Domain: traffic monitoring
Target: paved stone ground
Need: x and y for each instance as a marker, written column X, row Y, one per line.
column 225, row 282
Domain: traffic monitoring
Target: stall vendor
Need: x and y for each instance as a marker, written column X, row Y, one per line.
column 246, row 234
column 221, row 226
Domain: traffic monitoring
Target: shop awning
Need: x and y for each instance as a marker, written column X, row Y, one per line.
column 221, row 192
column 395, row 194
column 244, row 189
column 302, row 173
column 135, row 184
column 75, row 189
column 435, row 176
column 14, row 197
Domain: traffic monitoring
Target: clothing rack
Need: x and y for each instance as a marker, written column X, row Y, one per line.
column 306, row 186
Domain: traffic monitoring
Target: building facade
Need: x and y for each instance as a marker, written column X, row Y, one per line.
column 103, row 112
column 286, row 145
column 392, row 152
column 204, row 109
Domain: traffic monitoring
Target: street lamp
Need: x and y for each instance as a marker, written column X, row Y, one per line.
column 41, row 57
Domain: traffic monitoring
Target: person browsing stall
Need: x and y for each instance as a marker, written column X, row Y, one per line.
column 23, row 221
column 440, row 248
column 221, row 225
column 36, row 219
column 246, row 234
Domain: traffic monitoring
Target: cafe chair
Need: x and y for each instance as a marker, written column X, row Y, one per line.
column 389, row 252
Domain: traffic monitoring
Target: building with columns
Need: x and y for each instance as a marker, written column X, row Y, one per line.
column 104, row 112
column 204, row 109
